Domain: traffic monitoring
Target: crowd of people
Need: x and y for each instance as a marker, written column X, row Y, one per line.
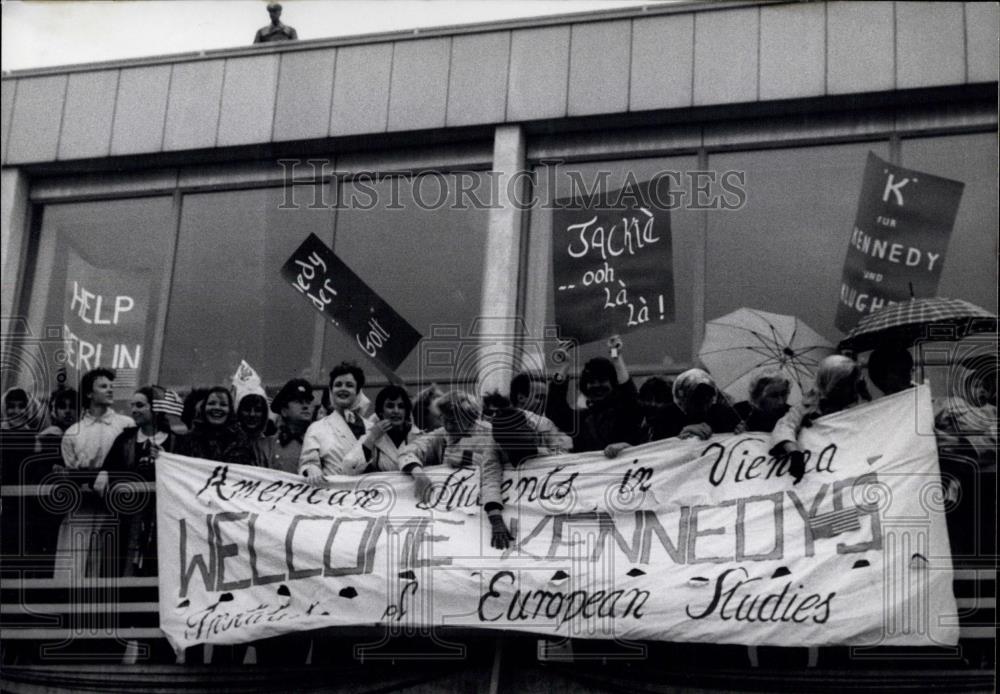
column 344, row 433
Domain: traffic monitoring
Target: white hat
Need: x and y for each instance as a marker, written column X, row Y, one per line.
column 246, row 382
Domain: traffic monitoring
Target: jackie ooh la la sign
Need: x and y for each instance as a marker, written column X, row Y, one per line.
column 900, row 236
column 612, row 263
column 336, row 291
column 676, row 540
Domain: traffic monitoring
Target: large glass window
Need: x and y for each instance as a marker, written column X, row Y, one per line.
column 420, row 251
column 100, row 273
column 229, row 301
column 970, row 268
column 784, row 250
column 420, row 243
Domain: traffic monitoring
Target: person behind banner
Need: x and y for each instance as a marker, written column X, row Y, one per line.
column 132, row 458
column 890, row 369
column 64, row 412
column 699, row 409
column 251, row 416
column 294, row 406
column 424, row 416
column 192, row 410
column 768, row 402
column 380, row 448
column 463, row 440
column 85, row 445
column 20, row 411
column 215, row 434
column 252, row 410
column 328, row 441
column 613, row 418
column 839, row 385
column 655, row 398
column 528, row 391
column 521, row 434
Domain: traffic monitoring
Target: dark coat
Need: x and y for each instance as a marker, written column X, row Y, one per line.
column 226, row 444
column 721, row 418
column 128, row 461
column 615, row 420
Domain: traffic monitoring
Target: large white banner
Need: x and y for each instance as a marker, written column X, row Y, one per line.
column 705, row 541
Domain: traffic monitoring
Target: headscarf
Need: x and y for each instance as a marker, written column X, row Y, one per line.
column 686, row 384
column 32, row 413
column 246, row 382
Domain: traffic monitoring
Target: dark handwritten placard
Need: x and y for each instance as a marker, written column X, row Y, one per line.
column 612, row 264
column 898, row 243
column 335, row 290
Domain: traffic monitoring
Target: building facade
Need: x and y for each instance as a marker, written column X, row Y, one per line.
column 192, row 178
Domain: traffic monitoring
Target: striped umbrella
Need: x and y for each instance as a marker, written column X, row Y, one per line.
column 933, row 318
column 745, row 342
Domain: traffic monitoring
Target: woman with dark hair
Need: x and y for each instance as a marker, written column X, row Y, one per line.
column 328, row 441
column 378, row 450
column 215, row 434
column 64, row 411
column 85, row 445
column 612, row 419
column 424, row 416
column 655, row 398
column 132, row 459
column 192, row 409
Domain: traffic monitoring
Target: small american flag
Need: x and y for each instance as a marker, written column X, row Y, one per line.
column 170, row 403
column 835, row 522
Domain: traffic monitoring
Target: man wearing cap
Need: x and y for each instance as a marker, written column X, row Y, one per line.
column 275, row 31
column 293, row 404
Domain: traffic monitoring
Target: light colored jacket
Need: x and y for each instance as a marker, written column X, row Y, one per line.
column 548, row 438
column 327, row 444
column 385, row 457
column 475, row 448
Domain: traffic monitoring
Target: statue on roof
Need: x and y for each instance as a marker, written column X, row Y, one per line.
column 275, row 31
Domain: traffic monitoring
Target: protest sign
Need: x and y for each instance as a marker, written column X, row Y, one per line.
column 899, row 239
column 104, row 319
column 678, row 540
column 612, row 262
column 336, row 291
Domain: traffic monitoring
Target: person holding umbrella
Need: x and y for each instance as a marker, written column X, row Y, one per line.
column 890, row 368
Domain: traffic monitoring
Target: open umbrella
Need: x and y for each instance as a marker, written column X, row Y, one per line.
column 747, row 341
column 906, row 322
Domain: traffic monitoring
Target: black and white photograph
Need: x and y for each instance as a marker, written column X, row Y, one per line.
column 498, row 346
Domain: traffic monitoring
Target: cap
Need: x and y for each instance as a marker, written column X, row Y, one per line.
column 295, row 389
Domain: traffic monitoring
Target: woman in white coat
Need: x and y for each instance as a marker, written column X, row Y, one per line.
column 379, row 449
column 327, row 442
